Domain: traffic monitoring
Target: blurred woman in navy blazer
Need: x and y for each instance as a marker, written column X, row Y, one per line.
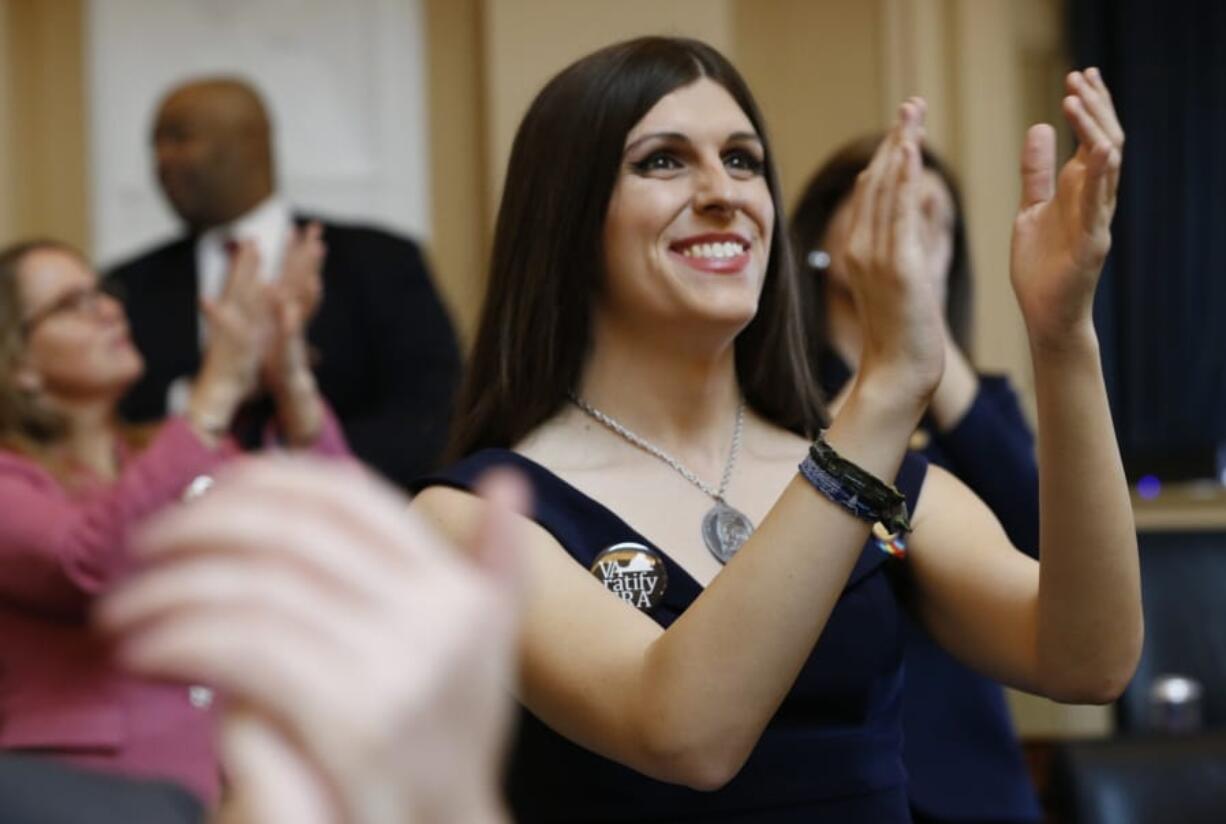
column 961, row 752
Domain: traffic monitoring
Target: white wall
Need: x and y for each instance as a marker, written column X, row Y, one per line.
column 344, row 81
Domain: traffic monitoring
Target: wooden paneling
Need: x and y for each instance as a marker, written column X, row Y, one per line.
column 817, row 70
column 459, row 179
column 43, row 103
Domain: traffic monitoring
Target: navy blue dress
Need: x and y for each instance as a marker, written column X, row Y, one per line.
column 833, row 752
column 962, row 755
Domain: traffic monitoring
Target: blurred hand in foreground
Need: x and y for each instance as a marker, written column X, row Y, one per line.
column 367, row 664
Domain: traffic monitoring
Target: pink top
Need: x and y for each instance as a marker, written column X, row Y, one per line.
column 59, row 692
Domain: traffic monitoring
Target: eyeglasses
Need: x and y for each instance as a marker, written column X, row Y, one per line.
column 82, row 301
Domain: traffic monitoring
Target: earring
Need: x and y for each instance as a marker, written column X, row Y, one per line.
column 818, row 259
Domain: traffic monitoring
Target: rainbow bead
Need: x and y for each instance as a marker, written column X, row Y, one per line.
column 891, row 544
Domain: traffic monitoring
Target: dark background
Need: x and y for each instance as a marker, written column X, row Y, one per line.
column 1161, row 309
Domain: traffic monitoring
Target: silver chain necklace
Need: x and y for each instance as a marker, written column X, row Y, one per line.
column 724, row 528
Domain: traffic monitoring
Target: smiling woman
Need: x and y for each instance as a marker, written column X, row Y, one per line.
column 644, row 335
column 691, row 202
column 74, row 482
column 76, row 339
column 562, row 175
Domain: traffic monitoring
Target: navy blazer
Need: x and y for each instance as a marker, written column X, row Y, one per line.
column 387, row 357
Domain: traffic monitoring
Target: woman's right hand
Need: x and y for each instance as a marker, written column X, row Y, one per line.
column 239, row 329
column 884, row 256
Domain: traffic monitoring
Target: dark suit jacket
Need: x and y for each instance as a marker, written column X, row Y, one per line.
column 388, row 359
column 40, row 791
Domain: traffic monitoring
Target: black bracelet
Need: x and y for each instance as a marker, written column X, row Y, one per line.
column 859, row 492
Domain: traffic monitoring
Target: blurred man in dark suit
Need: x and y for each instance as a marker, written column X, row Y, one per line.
column 385, row 352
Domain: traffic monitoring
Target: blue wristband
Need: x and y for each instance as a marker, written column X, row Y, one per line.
column 892, row 544
column 834, row 489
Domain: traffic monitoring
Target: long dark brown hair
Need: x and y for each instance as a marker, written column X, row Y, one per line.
column 832, row 184
column 545, row 272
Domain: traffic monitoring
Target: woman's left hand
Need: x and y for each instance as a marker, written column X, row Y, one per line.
column 1063, row 228
column 287, row 366
column 287, row 373
column 302, row 269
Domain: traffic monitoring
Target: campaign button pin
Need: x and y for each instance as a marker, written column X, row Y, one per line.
column 632, row 572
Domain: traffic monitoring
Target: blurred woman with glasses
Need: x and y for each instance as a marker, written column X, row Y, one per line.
column 74, row 481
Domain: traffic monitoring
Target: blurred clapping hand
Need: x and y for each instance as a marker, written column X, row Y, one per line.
column 286, row 371
column 367, row 664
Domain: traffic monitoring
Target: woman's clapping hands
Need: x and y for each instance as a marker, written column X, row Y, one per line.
column 1063, row 227
column 884, row 256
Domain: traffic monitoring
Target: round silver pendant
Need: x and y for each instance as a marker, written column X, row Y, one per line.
column 724, row 529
